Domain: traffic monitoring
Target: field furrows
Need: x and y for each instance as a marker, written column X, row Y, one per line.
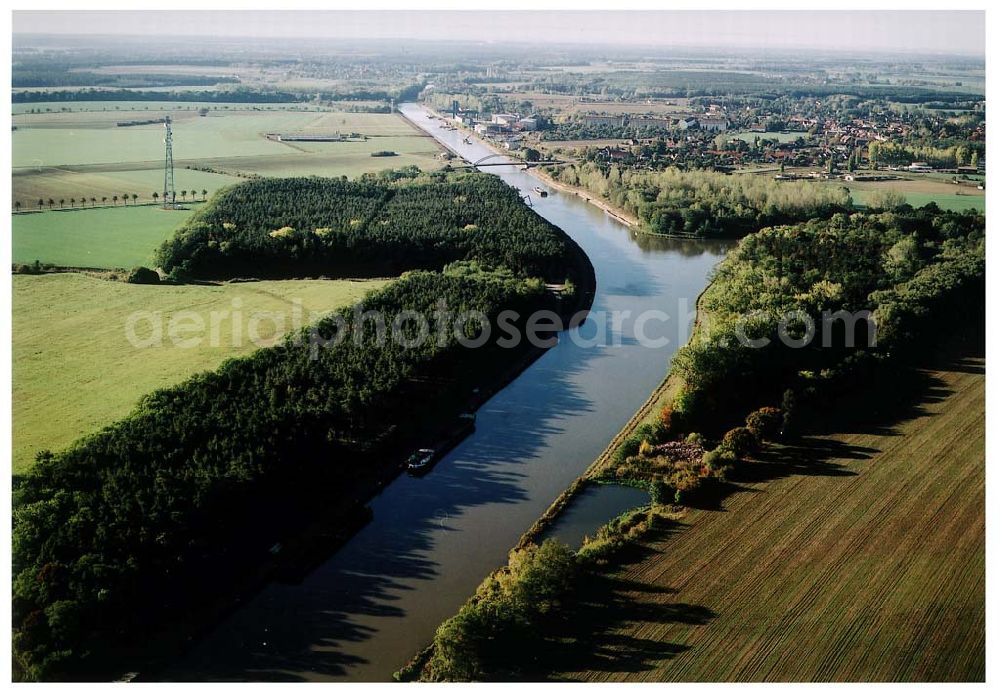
column 863, row 560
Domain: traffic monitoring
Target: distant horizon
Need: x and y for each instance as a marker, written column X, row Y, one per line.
column 706, row 48
column 940, row 33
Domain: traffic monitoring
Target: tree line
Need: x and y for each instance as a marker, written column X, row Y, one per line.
column 239, row 95
column 54, row 77
column 704, row 203
column 83, row 200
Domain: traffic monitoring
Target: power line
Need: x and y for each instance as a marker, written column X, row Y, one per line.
column 169, row 192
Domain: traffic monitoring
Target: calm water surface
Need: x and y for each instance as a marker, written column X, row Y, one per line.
column 377, row 601
column 591, row 509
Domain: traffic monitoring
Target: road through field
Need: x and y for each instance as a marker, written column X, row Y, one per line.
column 860, row 557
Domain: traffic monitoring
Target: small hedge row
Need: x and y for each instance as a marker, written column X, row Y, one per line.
column 503, row 629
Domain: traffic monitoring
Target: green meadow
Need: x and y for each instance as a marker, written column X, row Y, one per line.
column 83, row 153
column 115, row 237
column 88, row 187
column 75, row 369
column 945, row 201
column 86, row 138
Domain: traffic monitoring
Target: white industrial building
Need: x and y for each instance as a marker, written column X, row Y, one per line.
column 713, row 123
column 505, row 118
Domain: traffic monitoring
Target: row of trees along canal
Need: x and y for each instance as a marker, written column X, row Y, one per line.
column 151, row 521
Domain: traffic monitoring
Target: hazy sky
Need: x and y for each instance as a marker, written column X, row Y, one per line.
column 916, row 32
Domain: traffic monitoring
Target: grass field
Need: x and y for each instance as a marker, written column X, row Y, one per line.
column 75, row 323
column 946, row 201
column 116, row 237
column 75, row 369
column 105, row 181
column 92, row 138
column 83, row 153
column 856, row 555
column 921, row 189
column 217, row 135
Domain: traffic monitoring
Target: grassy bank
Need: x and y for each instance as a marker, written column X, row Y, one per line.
column 618, row 213
column 663, row 395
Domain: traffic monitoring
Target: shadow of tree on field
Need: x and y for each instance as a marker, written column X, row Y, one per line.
column 601, row 634
column 806, row 456
column 881, row 404
column 876, row 408
column 968, row 365
column 592, row 634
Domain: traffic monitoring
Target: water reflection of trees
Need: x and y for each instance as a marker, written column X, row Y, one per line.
column 651, row 243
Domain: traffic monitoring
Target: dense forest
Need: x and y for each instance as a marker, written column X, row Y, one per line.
column 704, row 203
column 860, row 299
column 320, row 226
column 160, row 514
column 919, row 272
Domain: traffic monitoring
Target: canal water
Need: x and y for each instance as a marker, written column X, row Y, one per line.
column 590, row 509
column 377, row 601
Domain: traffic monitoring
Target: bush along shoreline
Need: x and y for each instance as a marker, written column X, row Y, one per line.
column 921, row 274
column 136, row 533
column 508, row 623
